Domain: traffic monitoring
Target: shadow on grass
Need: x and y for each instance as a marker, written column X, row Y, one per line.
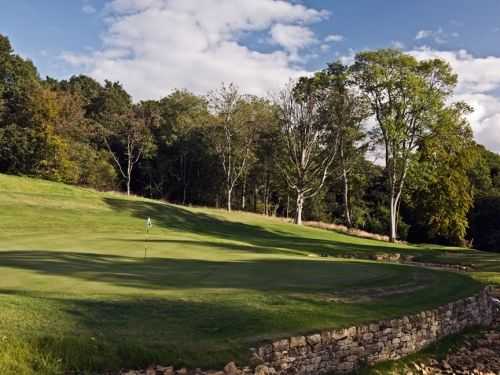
column 250, row 248
column 183, row 220
column 218, row 309
column 264, row 240
column 277, row 275
column 199, row 327
column 135, row 333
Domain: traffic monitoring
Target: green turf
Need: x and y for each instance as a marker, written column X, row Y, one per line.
column 76, row 291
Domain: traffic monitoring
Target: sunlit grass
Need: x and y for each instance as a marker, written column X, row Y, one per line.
column 77, row 292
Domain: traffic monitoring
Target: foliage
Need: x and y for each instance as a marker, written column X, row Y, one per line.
column 236, row 121
column 405, row 96
column 444, row 196
column 308, row 154
column 347, row 111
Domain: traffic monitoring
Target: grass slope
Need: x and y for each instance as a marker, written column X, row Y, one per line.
column 76, row 291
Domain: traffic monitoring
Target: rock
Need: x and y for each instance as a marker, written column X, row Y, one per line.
column 297, row 341
column 314, row 339
column 446, row 365
column 262, row 370
column 231, row 369
column 281, row 345
column 344, row 350
column 255, row 360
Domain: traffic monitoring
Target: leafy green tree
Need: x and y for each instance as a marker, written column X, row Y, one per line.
column 184, row 167
column 87, row 88
column 29, row 114
column 405, row 96
column 132, row 133
column 125, row 129
column 486, row 176
column 346, row 110
column 183, row 115
column 236, row 119
column 444, row 197
column 262, row 118
column 264, row 178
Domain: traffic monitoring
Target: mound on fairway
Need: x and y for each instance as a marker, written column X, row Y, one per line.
column 77, row 292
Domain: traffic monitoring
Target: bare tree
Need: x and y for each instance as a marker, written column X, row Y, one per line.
column 128, row 140
column 233, row 134
column 311, row 143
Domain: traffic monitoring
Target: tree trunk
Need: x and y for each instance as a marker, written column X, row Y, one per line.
column 266, row 202
column 394, row 219
column 255, row 198
column 184, row 182
column 128, row 185
column 243, row 196
column 300, row 206
column 229, row 194
column 348, row 220
column 287, row 206
column 266, row 193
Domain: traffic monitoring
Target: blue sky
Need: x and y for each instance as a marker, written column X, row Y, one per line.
column 43, row 30
column 154, row 46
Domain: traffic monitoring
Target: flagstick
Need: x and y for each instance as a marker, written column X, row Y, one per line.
column 149, row 224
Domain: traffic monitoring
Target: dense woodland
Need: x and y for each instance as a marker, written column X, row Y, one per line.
column 310, row 151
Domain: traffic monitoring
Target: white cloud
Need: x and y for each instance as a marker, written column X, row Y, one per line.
column 439, row 36
column 478, row 85
column 154, row 46
column 334, row 38
column 422, row 34
column 292, row 37
column 347, row 59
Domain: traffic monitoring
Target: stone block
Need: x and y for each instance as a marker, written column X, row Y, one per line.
column 297, row 341
column 281, row 345
column 313, row 339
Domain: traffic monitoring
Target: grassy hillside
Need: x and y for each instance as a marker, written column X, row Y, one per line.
column 77, row 292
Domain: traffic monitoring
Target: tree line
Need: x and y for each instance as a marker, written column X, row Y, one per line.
column 308, row 151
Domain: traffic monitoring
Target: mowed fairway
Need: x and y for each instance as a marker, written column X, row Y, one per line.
column 77, row 292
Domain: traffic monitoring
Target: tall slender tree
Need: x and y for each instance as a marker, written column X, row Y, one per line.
column 236, row 119
column 405, row 96
column 346, row 110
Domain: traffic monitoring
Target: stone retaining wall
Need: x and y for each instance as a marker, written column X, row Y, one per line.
column 344, row 350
